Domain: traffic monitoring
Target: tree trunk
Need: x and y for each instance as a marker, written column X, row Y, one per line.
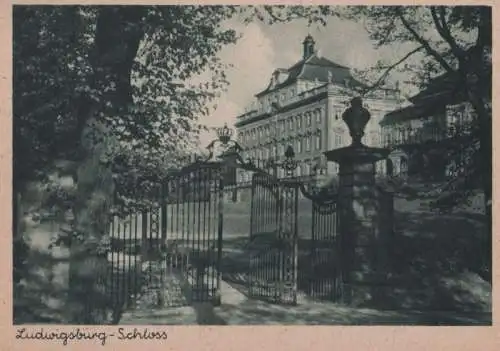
column 118, row 34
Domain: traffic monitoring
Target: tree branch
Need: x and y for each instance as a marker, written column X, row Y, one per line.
column 425, row 43
column 388, row 70
column 444, row 30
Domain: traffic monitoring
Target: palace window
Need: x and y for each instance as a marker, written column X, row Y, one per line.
column 308, row 119
column 318, row 141
column 308, row 143
column 336, row 114
column 299, row 145
column 338, row 140
column 290, row 123
column 318, row 117
column 299, row 121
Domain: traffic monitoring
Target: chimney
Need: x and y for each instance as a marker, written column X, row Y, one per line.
column 308, row 44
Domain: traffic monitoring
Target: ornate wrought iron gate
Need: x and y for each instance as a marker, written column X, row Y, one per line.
column 273, row 239
column 169, row 255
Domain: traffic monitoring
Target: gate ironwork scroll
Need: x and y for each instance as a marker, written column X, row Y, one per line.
column 273, row 239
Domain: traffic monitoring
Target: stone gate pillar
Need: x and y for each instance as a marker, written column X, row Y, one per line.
column 362, row 242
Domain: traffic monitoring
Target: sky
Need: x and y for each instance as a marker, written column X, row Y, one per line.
column 263, row 48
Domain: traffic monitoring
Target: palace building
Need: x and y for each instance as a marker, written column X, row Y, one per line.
column 302, row 107
column 419, row 133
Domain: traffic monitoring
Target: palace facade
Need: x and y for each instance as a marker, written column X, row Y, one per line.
column 420, row 134
column 302, row 107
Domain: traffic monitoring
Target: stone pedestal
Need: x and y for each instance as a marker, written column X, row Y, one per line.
column 362, row 245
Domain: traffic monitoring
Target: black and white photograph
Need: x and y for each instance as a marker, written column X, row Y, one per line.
column 252, row 165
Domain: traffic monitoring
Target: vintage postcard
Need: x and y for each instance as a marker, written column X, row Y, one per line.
column 274, row 166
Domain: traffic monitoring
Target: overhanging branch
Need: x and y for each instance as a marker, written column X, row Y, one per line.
column 422, row 41
column 388, row 70
column 444, row 31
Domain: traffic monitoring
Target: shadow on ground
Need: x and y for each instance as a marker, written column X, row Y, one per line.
column 259, row 313
column 440, row 262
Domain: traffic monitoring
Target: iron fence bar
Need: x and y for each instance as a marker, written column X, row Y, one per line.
column 137, row 256
column 252, row 219
column 163, row 214
column 295, row 241
column 198, row 232
column 182, row 211
column 206, row 243
column 111, row 284
column 128, row 255
column 311, row 281
column 220, row 238
column 121, row 262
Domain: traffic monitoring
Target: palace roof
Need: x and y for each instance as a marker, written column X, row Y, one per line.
column 314, row 68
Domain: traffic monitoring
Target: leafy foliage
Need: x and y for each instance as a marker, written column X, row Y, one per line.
column 62, row 69
column 51, row 69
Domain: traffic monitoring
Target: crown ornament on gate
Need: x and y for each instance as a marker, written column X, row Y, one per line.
column 229, row 146
column 224, row 134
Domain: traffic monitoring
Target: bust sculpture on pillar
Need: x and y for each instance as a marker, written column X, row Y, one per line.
column 356, row 117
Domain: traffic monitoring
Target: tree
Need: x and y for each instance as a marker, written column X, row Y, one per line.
column 450, row 44
column 101, row 85
column 69, row 60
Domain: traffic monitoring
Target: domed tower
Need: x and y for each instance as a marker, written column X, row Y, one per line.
column 308, row 44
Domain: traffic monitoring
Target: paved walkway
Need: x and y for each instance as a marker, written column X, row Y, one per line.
column 237, row 309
